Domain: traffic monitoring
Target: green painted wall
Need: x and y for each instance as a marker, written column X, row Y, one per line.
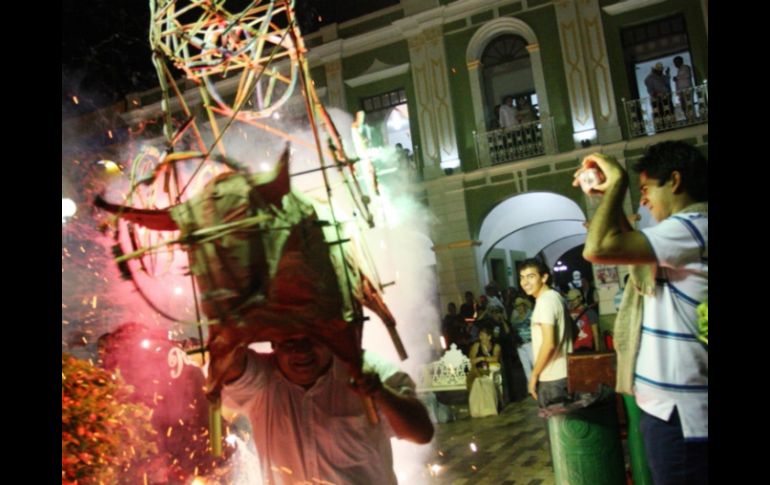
column 395, row 54
column 543, row 22
column 622, row 79
column 501, row 279
column 318, row 74
column 516, row 256
column 481, row 199
column 478, row 203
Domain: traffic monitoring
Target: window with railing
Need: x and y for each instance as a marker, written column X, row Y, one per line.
column 508, row 144
column 507, row 72
column 677, row 109
column 665, row 87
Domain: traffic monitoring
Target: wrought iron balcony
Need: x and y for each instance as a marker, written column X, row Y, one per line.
column 508, row 144
column 686, row 107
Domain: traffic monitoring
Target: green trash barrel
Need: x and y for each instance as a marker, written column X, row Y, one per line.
column 640, row 470
column 585, row 446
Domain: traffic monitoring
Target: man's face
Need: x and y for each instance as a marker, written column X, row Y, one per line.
column 301, row 359
column 655, row 197
column 532, row 282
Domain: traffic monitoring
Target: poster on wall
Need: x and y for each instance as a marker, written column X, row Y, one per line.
column 606, row 275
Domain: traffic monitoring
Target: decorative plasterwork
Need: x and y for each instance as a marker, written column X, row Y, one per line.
column 434, row 104
column 488, row 31
column 598, row 67
column 577, row 83
column 333, row 72
column 377, row 72
column 629, row 6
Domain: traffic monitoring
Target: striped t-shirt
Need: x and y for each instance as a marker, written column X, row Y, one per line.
column 672, row 366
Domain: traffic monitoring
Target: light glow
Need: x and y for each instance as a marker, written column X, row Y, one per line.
column 68, row 209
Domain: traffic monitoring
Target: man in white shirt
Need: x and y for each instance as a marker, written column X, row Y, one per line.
column 508, row 114
column 660, row 359
column 683, row 80
column 551, row 336
column 307, row 417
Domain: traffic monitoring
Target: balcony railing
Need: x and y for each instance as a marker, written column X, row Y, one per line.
column 508, row 144
column 647, row 116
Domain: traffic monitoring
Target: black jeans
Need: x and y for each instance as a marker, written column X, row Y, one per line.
column 552, row 392
column 672, row 460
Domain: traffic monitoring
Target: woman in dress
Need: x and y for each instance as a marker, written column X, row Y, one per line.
column 485, row 363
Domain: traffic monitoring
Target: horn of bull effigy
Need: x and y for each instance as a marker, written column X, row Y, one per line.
column 156, row 219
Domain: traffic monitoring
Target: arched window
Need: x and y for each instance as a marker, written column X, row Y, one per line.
column 512, row 71
column 507, row 71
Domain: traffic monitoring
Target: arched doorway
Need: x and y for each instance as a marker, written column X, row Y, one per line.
column 506, row 71
column 525, row 226
column 484, row 37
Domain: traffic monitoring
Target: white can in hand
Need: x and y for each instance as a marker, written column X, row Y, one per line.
column 590, row 178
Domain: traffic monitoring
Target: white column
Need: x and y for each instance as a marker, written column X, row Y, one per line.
column 536, row 61
column 433, row 97
column 334, row 84
column 586, row 67
column 598, row 72
column 454, row 248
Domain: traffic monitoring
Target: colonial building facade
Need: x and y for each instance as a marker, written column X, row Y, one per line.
column 432, row 74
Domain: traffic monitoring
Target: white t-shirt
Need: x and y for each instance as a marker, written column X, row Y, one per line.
column 683, row 77
column 672, row 366
column 508, row 117
column 549, row 310
column 319, row 435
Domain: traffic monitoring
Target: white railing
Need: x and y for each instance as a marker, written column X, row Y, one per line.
column 508, row 144
column 446, row 374
column 686, row 107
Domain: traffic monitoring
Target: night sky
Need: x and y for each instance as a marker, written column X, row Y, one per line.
column 106, row 52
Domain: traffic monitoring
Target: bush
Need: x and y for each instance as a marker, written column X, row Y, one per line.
column 103, row 435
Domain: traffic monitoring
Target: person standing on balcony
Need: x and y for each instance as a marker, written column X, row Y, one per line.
column 508, row 114
column 524, row 111
column 660, row 360
column 683, row 80
column 658, row 85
